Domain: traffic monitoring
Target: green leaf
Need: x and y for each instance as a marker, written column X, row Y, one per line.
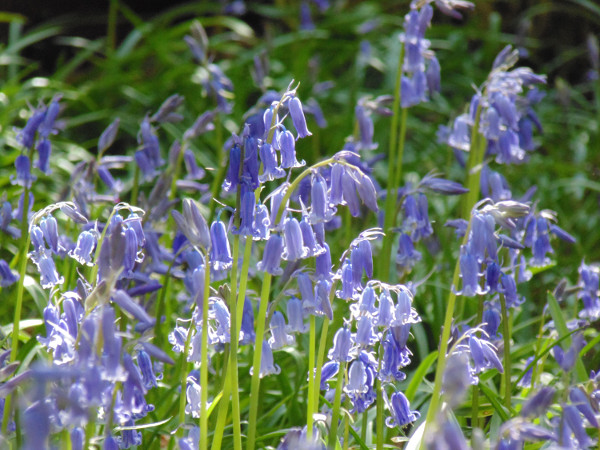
column 419, row 375
column 495, row 401
column 561, row 326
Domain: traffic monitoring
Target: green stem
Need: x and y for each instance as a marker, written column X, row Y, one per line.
column 204, row 357
column 507, row 367
column 392, row 190
column 222, row 167
column 442, row 355
column 336, row 407
column 136, row 185
column 475, row 400
column 260, row 331
column 311, row 378
column 233, row 354
column 19, row 303
column 476, row 154
column 379, row 411
column 183, row 378
column 111, row 31
column 176, row 171
column 320, row 360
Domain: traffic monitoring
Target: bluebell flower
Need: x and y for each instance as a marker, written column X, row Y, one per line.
column 401, row 413
column 341, row 346
column 539, row 403
column 146, row 369
column 361, row 258
column 392, row 360
column 349, row 194
column 469, row 273
column 589, row 285
column 279, row 337
column 287, row 147
column 365, row 337
column 484, row 355
column 247, row 209
column 276, row 198
column 457, row 378
column 572, row 420
column 357, row 379
column 267, row 365
column 24, row 177
column 7, row 276
column 261, row 223
column 491, row 322
column 322, row 289
column 272, row 255
column 329, row 370
column 365, row 128
column 232, row 179
column 220, row 254
column 222, row 317
column 271, row 169
column 247, row 333
column 336, row 193
column 366, row 304
column 385, row 310
column 306, row 288
column 49, row 277
column 26, row 137
column 309, row 239
column 349, row 287
column 321, row 210
column 127, row 304
column 509, row 289
column 44, row 149
column 111, row 366
column 323, row 264
column 482, row 238
column 407, row 256
column 297, row 113
column 295, row 313
column 581, row 401
column 50, row 230
column 294, row 246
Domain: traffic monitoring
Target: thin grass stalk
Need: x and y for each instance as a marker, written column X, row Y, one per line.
column 311, row 378
column 441, row 361
column 260, row 331
column 392, row 190
column 337, row 403
column 183, row 378
column 320, row 360
column 379, row 411
column 507, row 365
column 233, row 347
column 19, row 302
column 475, row 399
column 204, row 357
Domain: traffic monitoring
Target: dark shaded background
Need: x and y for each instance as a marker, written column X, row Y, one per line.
column 559, row 28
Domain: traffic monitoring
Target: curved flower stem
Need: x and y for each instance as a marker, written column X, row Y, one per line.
column 311, row 378
column 26, row 237
column 320, row 359
column 507, row 367
column 336, row 407
column 183, row 379
column 220, row 176
column 475, row 399
column 204, row 357
column 394, row 159
column 233, row 351
column 476, row 154
column 260, row 331
column 442, row 356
